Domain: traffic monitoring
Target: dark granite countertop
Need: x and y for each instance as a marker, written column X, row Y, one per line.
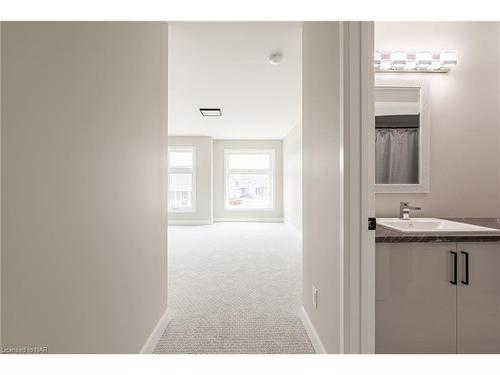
column 385, row 235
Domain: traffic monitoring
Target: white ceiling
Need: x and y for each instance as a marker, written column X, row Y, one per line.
column 226, row 65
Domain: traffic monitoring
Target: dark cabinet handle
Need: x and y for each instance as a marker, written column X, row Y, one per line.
column 455, row 267
column 466, row 282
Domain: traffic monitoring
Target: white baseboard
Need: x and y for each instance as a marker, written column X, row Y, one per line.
column 311, row 332
column 251, row 219
column 189, row 222
column 155, row 335
column 292, row 226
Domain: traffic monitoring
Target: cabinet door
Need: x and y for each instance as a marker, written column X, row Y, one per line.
column 478, row 298
column 415, row 300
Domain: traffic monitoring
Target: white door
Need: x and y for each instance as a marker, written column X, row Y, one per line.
column 478, row 298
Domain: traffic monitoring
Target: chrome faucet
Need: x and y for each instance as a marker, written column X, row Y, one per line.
column 404, row 210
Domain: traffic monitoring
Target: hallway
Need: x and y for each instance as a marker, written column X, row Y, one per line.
column 234, row 288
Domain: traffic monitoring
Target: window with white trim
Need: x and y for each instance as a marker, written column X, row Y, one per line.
column 182, row 179
column 249, row 179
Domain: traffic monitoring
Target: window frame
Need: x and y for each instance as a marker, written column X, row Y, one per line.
column 271, row 172
column 183, row 170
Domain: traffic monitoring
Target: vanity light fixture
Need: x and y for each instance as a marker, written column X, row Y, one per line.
column 422, row 61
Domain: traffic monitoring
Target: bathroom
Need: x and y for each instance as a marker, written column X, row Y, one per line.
column 437, row 157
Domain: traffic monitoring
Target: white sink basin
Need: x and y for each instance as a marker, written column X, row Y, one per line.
column 431, row 225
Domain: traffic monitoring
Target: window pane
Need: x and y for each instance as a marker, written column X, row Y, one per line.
column 249, row 191
column 181, row 191
column 182, row 159
column 249, row 161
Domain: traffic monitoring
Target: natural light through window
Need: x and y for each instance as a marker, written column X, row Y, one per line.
column 249, row 179
column 181, row 179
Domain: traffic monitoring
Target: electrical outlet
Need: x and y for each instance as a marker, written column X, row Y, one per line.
column 315, row 297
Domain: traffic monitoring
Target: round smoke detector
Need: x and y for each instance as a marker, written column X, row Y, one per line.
column 275, row 58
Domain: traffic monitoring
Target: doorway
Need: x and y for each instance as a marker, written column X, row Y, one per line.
column 235, row 200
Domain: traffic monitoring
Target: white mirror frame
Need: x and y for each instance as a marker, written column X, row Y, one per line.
column 424, row 137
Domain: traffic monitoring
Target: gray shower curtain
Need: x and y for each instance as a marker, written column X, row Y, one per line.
column 396, row 156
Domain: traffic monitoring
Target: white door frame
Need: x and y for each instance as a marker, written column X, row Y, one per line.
column 358, row 151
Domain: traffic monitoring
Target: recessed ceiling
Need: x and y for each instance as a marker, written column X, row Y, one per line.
column 226, row 65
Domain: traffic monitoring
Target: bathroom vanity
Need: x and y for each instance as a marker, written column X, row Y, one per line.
column 438, row 291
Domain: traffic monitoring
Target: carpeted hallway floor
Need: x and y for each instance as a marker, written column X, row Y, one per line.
column 234, row 288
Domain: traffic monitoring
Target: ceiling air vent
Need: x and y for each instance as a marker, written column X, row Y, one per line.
column 211, row 112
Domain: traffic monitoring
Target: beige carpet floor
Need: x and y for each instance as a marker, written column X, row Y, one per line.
column 234, row 288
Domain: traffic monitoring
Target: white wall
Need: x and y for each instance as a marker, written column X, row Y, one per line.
column 84, row 135
column 321, row 113
column 465, row 118
column 292, row 177
column 218, row 156
column 203, row 167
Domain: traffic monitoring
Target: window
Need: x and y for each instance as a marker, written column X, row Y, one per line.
column 249, row 179
column 181, row 179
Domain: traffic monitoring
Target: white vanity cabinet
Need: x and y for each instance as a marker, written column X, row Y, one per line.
column 415, row 309
column 437, row 297
column 478, row 298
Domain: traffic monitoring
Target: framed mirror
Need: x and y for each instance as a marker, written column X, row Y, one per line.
column 402, row 131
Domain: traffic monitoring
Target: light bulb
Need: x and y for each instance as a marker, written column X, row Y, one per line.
column 423, row 59
column 448, row 58
column 398, row 59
